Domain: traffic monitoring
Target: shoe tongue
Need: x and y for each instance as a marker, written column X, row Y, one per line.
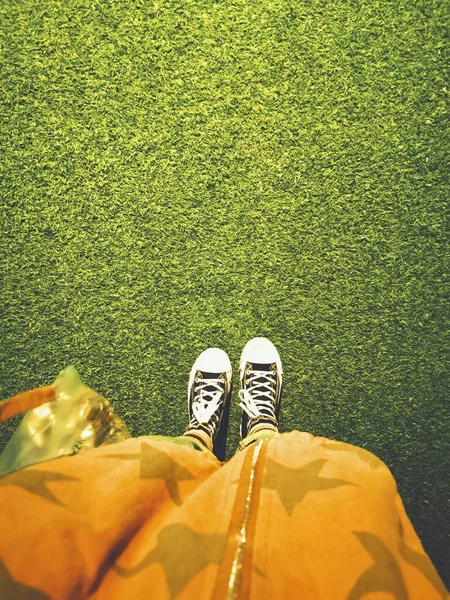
column 261, row 367
column 206, row 375
column 263, row 380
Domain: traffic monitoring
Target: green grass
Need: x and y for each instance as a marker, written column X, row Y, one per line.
column 180, row 175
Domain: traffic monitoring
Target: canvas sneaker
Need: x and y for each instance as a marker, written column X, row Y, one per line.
column 261, row 376
column 209, row 396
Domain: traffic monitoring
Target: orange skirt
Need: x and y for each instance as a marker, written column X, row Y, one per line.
column 294, row 516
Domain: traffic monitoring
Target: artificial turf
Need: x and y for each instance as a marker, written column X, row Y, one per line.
column 180, row 175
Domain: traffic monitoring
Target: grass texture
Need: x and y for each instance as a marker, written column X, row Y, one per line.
column 179, row 175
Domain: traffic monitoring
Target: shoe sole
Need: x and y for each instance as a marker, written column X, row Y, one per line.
column 265, row 352
column 223, row 366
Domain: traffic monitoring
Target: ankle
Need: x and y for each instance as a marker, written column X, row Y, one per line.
column 261, row 427
column 201, row 436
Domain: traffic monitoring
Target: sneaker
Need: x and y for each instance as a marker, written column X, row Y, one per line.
column 209, row 396
column 261, row 385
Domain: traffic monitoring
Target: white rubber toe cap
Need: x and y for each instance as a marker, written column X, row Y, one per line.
column 260, row 350
column 213, row 360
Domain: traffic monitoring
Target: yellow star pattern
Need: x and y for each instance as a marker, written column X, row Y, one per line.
column 11, row 588
column 383, row 576
column 157, row 464
column 292, row 485
column 36, row 481
column 183, row 553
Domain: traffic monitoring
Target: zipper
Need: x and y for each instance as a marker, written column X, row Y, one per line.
column 235, row 578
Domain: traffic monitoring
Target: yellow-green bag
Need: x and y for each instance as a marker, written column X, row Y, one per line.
column 63, row 418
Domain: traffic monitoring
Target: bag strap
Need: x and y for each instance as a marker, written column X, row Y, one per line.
column 25, row 401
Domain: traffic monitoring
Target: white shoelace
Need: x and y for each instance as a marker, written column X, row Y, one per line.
column 253, row 405
column 206, row 403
